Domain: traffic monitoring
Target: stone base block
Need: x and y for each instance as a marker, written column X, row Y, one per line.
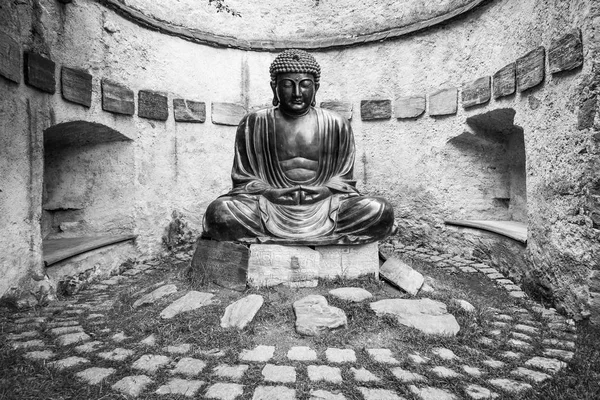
column 301, row 266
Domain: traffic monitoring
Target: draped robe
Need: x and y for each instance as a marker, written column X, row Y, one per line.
column 342, row 218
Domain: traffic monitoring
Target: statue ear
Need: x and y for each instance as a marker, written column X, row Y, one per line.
column 274, row 89
column 314, row 99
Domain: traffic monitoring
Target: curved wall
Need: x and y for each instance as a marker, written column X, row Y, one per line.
column 183, row 166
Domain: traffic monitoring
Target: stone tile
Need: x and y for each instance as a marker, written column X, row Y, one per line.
column 479, row 392
column 548, row 364
column 534, row 376
column 39, row 355
column 511, row 355
column 409, row 106
column 518, row 294
column 402, row 275
column 566, row 344
column 151, row 363
column 354, row 294
column 407, row 376
column 505, row 81
column 227, row 113
column 274, row 392
column 325, row 395
column 189, row 366
column 183, row 348
column 120, row 337
column 364, row 375
column 155, row 295
column 494, row 363
column 566, row 53
column 521, row 336
column 343, row 108
column 22, row 335
column 69, row 362
column 476, row 92
column 95, row 375
column 444, row 372
column 503, row 317
column 557, row 353
column 117, row 98
column 132, row 385
column 379, row 394
column 39, row 72
column 324, row 373
column 486, row 341
column 214, row 353
column 241, row 313
column 76, row 85
column 432, row 393
column 301, row 353
column 465, row 305
column 473, row 371
column 88, row 347
column 509, row 385
column 499, row 324
column 527, row 329
column 10, row 58
column 153, row 105
column 118, row 354
column 443, row 102
column 340, row 355
column 314, row 316
column 189, row 302
column 260, row 353
column 28, row 344
column 495, row 332
column 189, row 111
column 383, row 356
column 73, row 338
column 418, row 359
column 271, row 265
column 234, row 372
column 519, row 344
column 279, row 373
column 444, row 354
column 95, row 316
column 531, row 69
column 179, row 386
column 375, row 109
column 149, row 341
column 224, row 391
column 66, row 329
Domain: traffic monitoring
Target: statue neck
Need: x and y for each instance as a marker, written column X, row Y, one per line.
column 294, row 116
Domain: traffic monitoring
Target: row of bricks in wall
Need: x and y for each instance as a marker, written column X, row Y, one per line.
column 565, row 53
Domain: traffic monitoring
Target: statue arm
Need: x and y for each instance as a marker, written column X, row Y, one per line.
column 341, row 180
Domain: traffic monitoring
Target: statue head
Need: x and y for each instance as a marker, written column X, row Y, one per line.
column 295, row 78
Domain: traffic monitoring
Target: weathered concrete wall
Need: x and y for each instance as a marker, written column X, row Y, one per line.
column 183, row 166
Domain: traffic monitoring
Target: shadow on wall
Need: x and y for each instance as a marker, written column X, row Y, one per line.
column 493, row 156
column 88, row 181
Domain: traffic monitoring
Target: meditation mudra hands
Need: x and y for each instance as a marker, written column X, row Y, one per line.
column 297, row 195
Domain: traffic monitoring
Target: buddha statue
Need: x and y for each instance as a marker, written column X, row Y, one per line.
column 292, row 172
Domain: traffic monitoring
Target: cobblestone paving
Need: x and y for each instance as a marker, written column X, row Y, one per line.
column 542, row 348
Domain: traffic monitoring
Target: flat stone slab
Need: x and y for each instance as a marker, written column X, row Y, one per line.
column 240, row 313
column 375, row 109
column 531, row 69
column 39, row 72
column 279, row 373
column 477, row 392
column 548, row 364
column 274, row 392
column 271, row 264
column 379, row 394
column 76, row 86
column 325, row 395
column 364, row 375
column 183, row 348
column 150, row 362
column 69, row 362
column 117, row 98
column 189, row 302
column 534, row 376
column 334, row 355
column 95, row 375
column 429, row 316
column 189, row 366
column 349, row 261
column 402, row 275
column 443, row 102
column 444, row 372
column 343, row 108
column 260, row 353
column 476, row 92
column 72, row 338
column 407, row 376
column 431, row 393
column 314, row 316
column 465, row 305
column 227, row 113
column 223, row 263
column 183, row 387
column 155, row 295
column 40, row 355
column 234, row 372
column 118, row 354
column 224, row 391
column 10, row 58
column 28, row 344
column 409, row 106
column 383, row 356
column 566, row 53
column 354, row 294
column 189, row 111
column 153, row 105
column 509, row 385
column 324, row 373
column 132, row 385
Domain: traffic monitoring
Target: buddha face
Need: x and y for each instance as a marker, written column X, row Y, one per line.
column 295, row 92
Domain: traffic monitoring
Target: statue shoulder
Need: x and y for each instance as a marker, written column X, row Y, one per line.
column 333, row 116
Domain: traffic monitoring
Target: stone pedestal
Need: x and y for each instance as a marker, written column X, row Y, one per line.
column 301, row 266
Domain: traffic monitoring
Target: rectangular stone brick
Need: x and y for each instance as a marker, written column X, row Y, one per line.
column 476, row 92
column 224, row 263
column 505, row 81
column 409, row 106
column 76, row 86
column 566, row 53
column 189, row 111
column 375, row 109
column 341, row 107
column 39, row 72
column 531, row 69
column 271, row 264
column 349, row 261
column 10, row 58
column 227, row 113
column 443, row 102
column 117, row 98
column 153, row 105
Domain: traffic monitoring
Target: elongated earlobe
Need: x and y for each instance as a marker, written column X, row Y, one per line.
column 275, row 101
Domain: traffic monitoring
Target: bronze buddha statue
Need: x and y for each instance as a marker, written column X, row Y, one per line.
column 292, row 172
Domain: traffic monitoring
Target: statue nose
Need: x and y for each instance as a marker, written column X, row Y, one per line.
column 297, row 90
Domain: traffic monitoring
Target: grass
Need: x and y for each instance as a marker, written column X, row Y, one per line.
column 21, row 378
